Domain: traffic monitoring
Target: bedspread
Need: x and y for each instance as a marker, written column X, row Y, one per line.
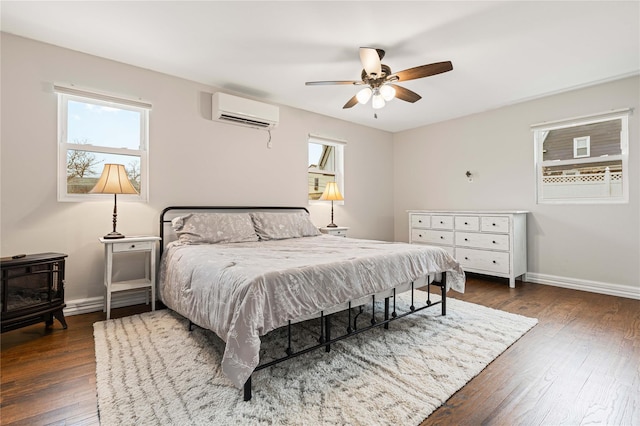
column 242, row 291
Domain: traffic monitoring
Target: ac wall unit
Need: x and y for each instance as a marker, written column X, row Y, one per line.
column 245, row 112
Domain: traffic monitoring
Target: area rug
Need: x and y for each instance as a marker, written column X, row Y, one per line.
column 151, row 370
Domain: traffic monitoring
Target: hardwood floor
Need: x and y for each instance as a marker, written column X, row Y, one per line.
column 580, row 364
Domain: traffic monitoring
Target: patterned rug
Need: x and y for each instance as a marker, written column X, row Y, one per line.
column 151, row 370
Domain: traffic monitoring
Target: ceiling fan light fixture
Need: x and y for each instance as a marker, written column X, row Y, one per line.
column 380, row 83
column 364, row 95
column 387, row 92
column 377, row 102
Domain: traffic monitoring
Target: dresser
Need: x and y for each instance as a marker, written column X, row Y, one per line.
column 485, row 242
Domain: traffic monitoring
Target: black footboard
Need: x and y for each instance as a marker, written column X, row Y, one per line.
column 325, row 340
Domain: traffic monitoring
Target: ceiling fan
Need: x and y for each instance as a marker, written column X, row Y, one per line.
column 379, row 80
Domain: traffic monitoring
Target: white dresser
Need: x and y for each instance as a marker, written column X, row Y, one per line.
column 485, row 242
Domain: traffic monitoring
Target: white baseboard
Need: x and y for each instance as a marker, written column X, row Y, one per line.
column 585, row 285
column 96, row 304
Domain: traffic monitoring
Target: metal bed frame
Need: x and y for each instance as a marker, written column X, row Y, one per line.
column 325, row 339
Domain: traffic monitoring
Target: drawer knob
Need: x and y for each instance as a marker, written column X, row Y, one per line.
column 441, row 222
column 493, row 224
column 420, row 235
column 466, row 239
column 441, row 237
column 133, row 246
column 494, row 261
column 466, row 223
column 419, row 221
column 466, row 258
column 493, row 242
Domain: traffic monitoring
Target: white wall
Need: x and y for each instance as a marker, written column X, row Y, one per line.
column 196, row 161
column 193, row 160
column 592, row 247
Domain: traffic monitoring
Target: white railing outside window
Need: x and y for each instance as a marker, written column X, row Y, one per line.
column 592, row 185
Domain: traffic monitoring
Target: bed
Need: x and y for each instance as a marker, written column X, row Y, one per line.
column 245, row 271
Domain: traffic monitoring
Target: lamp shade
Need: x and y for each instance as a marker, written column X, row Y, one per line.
column 387, row 92
column 114, row 180
column 331, row 193
column 364, row 95
column 377, row 102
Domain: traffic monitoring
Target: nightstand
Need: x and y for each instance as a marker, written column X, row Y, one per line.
column 144, row 244
column 340, row 231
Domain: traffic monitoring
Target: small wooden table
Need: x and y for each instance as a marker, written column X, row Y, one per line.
column 339, row 231
column 146, row 244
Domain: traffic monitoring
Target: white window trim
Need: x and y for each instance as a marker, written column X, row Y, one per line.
column 340, row 145
column 576, row 146
column 541, row 130
column 66, row 93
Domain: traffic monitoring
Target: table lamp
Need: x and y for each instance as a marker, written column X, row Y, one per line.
column 114, row 180
column 331, row 193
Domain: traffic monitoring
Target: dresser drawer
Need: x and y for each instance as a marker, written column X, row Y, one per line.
column 420, row 221
column 483, row 241
column 467, row 223
column 490, row 261
column 441, row 222
column 494, row 224
column 431, row 236
column 132, row 246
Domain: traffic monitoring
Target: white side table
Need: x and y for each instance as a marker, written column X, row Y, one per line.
column 130, row 245
column 340, row 231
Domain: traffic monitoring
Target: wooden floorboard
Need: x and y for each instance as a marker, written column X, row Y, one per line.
column 579, row 365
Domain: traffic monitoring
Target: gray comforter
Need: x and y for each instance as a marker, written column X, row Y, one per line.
column 242, row 291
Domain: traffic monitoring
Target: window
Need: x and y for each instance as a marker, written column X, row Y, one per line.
column 581, row 146
column 326, row 164
column 96, row 129
column 583, row 160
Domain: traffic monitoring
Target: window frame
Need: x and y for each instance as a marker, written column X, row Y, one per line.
column 576, row 146
column 71, row 93
column 339, row 146
column 541, row 130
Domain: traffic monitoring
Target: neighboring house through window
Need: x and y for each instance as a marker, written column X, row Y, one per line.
column 581, row 147
column 326, row 164
column 96, row 129
column 583, row 160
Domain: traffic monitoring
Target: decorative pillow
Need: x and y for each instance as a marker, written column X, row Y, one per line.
column 281, row 225
column 211, row 228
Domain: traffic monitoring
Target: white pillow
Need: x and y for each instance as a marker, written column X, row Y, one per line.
column 281, row 225
column 212, row 228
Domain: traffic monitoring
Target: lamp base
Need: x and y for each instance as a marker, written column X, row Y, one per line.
column 113, row 236
column 332, row 225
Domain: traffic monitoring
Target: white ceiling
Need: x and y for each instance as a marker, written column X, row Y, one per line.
column 502, row 52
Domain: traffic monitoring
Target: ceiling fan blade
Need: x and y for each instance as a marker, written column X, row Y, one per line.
column 424, row 71
column 351, row 102
column 371, row 61
column 406, row 94
column 324, row 83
